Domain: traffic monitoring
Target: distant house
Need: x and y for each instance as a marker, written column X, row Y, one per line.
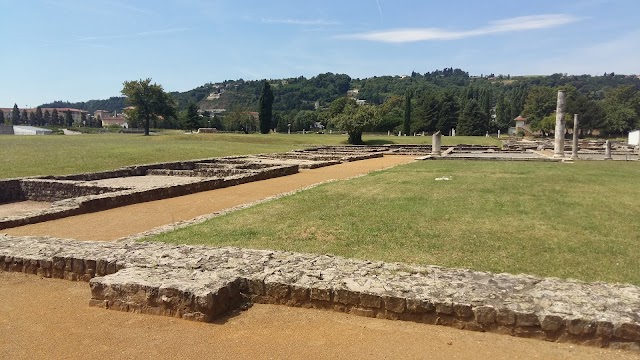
column 361, row 102
column 114, row 120
column 634, row 138
column 521, row 126
column 109, row 118
column 30, row 130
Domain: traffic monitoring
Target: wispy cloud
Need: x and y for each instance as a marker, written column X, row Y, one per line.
column 134, row 35
column 521, row 23
column 306, row 22
column 380, row 10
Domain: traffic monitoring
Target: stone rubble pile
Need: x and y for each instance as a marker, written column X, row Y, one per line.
column 202, row 283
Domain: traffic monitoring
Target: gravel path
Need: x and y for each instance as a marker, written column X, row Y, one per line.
column 48, row 318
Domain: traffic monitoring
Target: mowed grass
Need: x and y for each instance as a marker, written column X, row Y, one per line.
column 577, row 220
column 58, row 155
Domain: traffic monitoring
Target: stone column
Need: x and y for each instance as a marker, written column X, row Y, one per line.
column 574, row 149
column 607, row 150
column 558, row 149
column 435, row 144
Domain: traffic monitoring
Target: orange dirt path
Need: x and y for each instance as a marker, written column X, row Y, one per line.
column 50, row 318
column 133, row 219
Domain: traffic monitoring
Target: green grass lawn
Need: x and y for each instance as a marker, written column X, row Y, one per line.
column 57, row 155
column 577, row 220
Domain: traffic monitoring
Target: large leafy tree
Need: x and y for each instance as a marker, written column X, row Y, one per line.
column 149, row 100
column 541, row 101
column 265, row 112
column 406, row 125
column 622, row 107
column 355, row 119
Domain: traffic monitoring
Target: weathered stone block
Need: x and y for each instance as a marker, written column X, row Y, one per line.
column 627, row 331
column 552, row 323
column 277, row 291
column 418, row 306
column 395, row 304
column 320, row 294
column 77, row 266
column 527, row 319
column 463, row 310
column 581, row 327
column 444, row 307
column 256, row 287
column 505, row 317
column 604, row 329
column 485, row 315
column 346, row 297
column 299, row 294
column 370, row 301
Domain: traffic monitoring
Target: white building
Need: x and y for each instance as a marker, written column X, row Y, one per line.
column 634, row 138
column 30, row 130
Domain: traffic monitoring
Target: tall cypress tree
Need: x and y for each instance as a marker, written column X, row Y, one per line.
column 407, row 113
column 68, row 119
column 24, row 118
column 15, row 115
column 1, row 117
column 55, row 119
column 46, row 118
column 39, row 118
column 266, row 108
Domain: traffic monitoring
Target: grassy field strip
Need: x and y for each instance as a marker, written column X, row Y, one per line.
column 565, row 220
column 57, row 155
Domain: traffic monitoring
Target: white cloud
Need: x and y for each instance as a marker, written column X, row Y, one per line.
column 316, row 22
column 521, row 23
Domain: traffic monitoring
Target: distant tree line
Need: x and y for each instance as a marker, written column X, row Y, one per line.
column 439, row 100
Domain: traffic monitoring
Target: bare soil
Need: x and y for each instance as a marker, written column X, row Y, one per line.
column 50, row 318
column 124, row 221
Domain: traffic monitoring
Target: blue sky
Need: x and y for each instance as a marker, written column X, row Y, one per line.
column 79, row 50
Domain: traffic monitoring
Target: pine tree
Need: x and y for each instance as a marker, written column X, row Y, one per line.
column 83, row 119
column 39, row 119
column 46, row 118
column 266, row 108
column 1, row 117
column 15, row 115
column 68, row 119
column 448, row 117
column 24, row 118
column 472, row 121
column 32, row 119
column 55, row 118
column 190, row 117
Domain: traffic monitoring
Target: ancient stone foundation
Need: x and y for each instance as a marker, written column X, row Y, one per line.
column 203, row 283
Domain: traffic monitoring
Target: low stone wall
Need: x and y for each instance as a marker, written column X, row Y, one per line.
column 10, row 191
column 109, row 200
column 201, row 283
column 55, row 190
